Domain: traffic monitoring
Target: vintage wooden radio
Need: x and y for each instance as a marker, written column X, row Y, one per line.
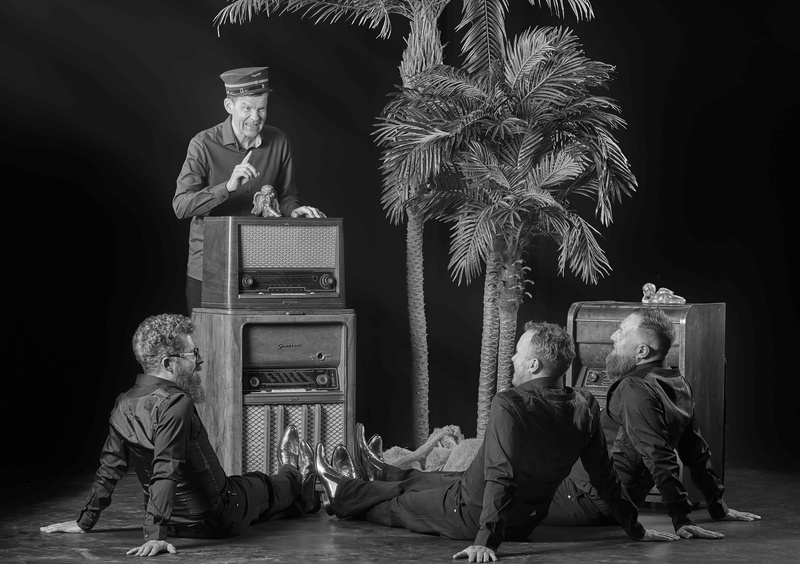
column 273, row 263
column 263, row 371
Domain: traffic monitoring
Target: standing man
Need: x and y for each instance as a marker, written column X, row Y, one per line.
column 536, row 431
column 650, row 418
column 155, row 428
column 227, row 165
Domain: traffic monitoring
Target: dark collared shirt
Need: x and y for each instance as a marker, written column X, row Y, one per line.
column 650, row 416
column 154, row 427
column 210, row 160
column 533, row 438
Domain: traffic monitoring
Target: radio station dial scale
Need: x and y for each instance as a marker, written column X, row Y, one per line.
column 289, row 379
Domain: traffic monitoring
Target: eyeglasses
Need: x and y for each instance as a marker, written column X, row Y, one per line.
column 195, row 353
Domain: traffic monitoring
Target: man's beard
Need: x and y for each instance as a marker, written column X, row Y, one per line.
column 619, row 364
column 191, row 383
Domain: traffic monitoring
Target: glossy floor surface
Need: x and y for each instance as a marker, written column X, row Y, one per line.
column 320, row 538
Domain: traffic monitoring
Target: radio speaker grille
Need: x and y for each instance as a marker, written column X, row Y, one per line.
column 288, row 246
column 263, row 426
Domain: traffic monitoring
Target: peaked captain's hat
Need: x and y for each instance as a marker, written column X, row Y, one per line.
column 249, row 81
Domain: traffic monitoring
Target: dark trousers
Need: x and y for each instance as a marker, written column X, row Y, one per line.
column 194, row 294
column 422, row 502
column 247, row 499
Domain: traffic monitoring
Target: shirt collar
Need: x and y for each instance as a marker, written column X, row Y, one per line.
column 150, row 380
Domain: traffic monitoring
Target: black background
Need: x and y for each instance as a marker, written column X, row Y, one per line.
column 99, row 101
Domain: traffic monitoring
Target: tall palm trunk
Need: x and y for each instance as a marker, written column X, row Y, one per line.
column 424, row 50
column 489, row 341
column 510, row 290
column 418, row 328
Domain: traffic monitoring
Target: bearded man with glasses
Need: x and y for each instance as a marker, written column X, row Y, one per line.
column 155, row 429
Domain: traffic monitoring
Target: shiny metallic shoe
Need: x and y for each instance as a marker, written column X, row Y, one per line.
column 329, row 478
column 289, row 447
column 308, row 473
column 373, row 466
column 343, row 463
column 375, row 444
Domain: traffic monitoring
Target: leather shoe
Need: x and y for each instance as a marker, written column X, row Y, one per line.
column 374, row 468
column 308, row 473
column 375, row 444
column 343, row 463
column 289, row 447
column 329, row 477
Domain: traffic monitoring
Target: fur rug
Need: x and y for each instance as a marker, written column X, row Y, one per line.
column 446, row 449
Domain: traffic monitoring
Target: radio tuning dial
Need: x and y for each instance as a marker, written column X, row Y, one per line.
column 255, row 382
column 327, row 281
column 247, row 281
column 322, row 380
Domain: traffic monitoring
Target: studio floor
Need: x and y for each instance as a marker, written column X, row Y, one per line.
column 320, row 538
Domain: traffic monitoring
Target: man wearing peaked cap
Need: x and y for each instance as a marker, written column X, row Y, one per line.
column 247, row 81
column 227, row 165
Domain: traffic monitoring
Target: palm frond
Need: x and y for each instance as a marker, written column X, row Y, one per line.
column 471, row 240
column 526, row 52
column 553, row 169
column 372, row 13
column 485, row 36
column 581, row 253
column 239, row 11
column 581, row 8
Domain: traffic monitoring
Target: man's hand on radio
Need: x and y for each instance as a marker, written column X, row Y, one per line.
column 242, row 173
column 651, row 535
column 695, row 532
column 307, row 211
column 733, row 515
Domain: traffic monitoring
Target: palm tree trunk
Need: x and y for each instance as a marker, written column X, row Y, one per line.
column 418, row 328
column 489, row 339
column 510, row 291
column 424, row 50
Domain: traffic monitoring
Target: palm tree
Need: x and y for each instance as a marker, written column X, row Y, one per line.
column 406, row 191
column 524, row 135
column 424, row 50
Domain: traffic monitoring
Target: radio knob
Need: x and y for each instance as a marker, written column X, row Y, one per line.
column 322, row 380
column 255, row 382
column 327, row 281
column 592, row 376
column 247, row 281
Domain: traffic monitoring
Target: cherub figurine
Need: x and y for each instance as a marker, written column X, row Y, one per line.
column 265, row 202
column 662, row 296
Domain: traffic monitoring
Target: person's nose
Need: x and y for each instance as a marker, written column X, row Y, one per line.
column 615, row 336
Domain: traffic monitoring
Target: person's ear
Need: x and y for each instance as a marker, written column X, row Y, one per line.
column 166, row 362
column 228, row 103
column 643, row 351
column 535, row 366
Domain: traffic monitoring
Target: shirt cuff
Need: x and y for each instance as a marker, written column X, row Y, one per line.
column 681, row 519
column 718, row 509
column 155, row 532
column 482, row 539
column 220, row 192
